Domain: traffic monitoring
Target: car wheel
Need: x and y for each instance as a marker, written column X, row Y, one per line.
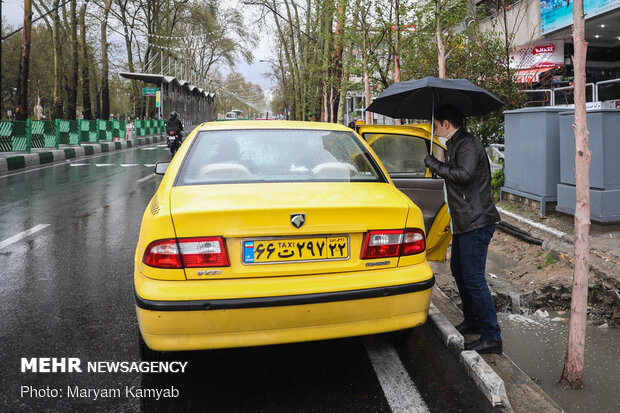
column 146, row 354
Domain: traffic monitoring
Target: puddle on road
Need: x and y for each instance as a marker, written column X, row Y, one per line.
column 538, row 346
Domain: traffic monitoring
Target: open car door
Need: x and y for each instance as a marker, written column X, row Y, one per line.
column 402, row 150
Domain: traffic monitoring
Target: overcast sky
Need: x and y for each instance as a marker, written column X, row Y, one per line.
column 13, row 13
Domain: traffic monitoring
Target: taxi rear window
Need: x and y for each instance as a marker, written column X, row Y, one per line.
column 277, row 155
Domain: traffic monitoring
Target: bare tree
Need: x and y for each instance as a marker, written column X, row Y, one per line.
column 575, row 350
column 105, row 64
column 86, row 104
column 21, row 112
column 73, row 73
column 441, row 48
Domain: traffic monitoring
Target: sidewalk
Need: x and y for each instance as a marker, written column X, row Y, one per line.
column 12, row 161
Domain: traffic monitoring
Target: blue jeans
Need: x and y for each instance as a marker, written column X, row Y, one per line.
column 468, row 262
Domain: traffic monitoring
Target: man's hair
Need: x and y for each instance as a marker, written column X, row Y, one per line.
column 449, row 113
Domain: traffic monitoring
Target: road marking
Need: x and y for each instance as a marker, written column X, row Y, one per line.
column 22, row 235
column 150, row 165
column 145, row 178
column 104, row 164
column 124, row 165
column 162, row 146
column 79, row 164
column 148, row 149
column 398, row 388
column 60, row 163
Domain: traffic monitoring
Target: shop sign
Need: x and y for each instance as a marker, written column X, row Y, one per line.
column 557, row 14
column 538, row 55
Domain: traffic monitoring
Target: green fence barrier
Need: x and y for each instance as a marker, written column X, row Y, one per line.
column 6, row 136
column 68, row 132
column 44, row 134
column 24, row 135
column 139, row 128
column 106, row 128
column 15, row 136
column 89, row 131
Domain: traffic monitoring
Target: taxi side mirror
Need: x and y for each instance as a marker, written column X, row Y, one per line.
column 161, row 167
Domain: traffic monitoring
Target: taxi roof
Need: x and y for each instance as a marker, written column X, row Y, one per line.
column 272, row 124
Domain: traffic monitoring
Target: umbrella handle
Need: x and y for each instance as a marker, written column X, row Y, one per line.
column 433, row 175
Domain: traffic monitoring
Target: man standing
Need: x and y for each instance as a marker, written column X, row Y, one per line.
column 468, row 188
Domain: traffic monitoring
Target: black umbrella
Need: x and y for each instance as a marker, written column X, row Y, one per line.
column 417, row 99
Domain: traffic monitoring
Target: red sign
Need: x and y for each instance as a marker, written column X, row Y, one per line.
column 406, row 28
column 543, row 49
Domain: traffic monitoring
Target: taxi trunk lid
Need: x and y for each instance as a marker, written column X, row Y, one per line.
column 255, row 217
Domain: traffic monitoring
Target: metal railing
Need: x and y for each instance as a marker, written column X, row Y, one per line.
column 605, row 90
column 615, row 90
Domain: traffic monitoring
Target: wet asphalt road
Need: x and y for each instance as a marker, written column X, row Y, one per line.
column 66, row 291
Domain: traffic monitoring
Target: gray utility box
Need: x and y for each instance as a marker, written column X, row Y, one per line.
column 532, row 156
column 604, row 127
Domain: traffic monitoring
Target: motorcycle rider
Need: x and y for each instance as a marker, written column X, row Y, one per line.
column 173, row 124
column 174, row 128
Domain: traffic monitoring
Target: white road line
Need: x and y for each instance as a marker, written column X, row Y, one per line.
column 163, row 146
column 398, row 388
column 150, row 165
column 103, row 164
column 79, row 164
column 145, row 178
column 22, row 235
column 148, row 149
column 124, row 165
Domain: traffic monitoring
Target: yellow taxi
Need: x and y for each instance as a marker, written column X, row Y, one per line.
column 266, row 232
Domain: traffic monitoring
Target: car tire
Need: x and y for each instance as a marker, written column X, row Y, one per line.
column 147, row 354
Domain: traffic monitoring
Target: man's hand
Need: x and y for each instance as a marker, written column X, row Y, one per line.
column 431, row 163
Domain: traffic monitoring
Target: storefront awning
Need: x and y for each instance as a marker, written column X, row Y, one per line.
column 531, row 75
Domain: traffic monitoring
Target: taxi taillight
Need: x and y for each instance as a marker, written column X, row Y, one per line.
column 187, row 253
column 393, row 243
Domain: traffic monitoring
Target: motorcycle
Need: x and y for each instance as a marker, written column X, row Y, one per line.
column 174, row 141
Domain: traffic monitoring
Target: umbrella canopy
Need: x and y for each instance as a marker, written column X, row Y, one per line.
column 416, row 99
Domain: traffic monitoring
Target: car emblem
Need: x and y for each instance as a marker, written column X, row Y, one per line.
column 298, row 220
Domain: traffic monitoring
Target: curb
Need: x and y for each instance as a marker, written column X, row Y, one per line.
column 487, row 381
column 23, row 161
column 556, row 233
column 502, row 382
column 451, row 338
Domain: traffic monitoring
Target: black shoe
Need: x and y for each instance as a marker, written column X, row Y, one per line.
column 467, row 329
column 485, row 347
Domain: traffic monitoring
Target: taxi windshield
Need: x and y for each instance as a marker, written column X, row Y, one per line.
column 277, row 155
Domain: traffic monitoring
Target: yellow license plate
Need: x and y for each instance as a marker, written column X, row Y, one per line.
column 272, row 250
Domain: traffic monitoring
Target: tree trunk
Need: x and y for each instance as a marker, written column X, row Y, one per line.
column 57, row 73
column 441, row 48
column 575, row 350
column 87, row 109
column 21, row 112
column 105, row 82
column 367, row 96
column 397, row 51
column 73, row 75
